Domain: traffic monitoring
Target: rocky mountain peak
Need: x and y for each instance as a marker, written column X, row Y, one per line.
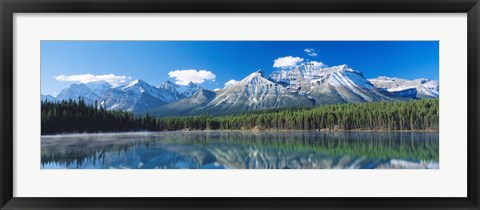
column 168, row 85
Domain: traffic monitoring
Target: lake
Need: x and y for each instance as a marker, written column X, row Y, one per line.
column 242, row 150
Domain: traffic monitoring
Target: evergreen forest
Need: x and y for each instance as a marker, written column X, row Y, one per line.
column 76, row 116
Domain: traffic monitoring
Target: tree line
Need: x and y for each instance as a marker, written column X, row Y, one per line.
column 71, row 116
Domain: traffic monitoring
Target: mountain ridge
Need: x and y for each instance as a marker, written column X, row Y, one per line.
column 425, row 88
column 303, row 86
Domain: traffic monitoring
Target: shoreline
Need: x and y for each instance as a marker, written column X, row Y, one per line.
column 248, row 130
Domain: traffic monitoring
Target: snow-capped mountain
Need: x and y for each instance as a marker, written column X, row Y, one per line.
column 254, row 92
column 89, row 92
column 135, row 96
column 425, row 88
column 337, row 84
column 191, row 89
column 76, row 91
column 257, row 92
column 185, row 106
column 169, row 85
column 170, row 91
column 138, row 95
column 300, row 87
column 99, row 87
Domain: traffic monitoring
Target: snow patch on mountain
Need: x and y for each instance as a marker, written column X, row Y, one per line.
column 425, row 88
column 134, row 96
column 138, row 95
column 336, row 84
column 190, row 89
column 254, row 92
column 99, row 87
column 78, row 91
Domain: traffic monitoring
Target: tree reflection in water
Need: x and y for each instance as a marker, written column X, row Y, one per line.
column 242, row 149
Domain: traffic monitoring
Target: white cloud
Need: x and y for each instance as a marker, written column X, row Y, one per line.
column 230, row 83
column 216, row 89
column 183, row 77
column 287, row 61
column 114, row 80
column 310, row 52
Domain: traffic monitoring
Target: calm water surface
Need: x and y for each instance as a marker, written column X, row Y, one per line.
column 241, row 150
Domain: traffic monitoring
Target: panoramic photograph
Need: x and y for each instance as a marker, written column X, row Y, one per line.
column 239, row 104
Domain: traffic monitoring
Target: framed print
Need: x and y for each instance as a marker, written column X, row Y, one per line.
column 205, row 119
column 239, row 105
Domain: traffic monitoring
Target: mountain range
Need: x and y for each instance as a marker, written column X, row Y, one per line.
column 302, row 86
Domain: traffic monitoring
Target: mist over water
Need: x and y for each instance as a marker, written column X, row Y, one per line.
column 241, row 150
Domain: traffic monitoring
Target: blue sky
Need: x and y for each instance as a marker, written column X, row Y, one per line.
column 67, row 62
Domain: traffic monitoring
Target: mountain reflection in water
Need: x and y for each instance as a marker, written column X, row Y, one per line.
column 241, row 150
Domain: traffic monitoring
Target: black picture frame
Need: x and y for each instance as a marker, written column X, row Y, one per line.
column 9, row 7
